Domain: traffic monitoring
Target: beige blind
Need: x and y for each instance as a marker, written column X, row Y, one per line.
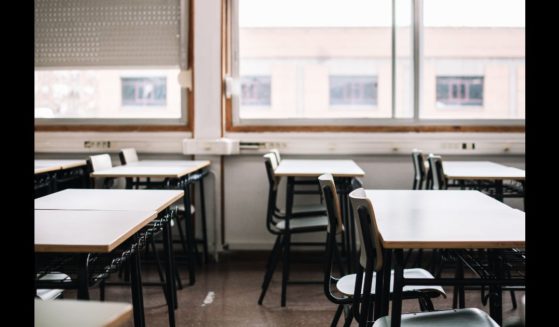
column 84, row 33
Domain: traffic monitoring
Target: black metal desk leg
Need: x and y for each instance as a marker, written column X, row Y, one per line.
column 287, row 239
column 398, row 286
column 387, row 274
column 136, row 285
column 83, row 277
column 499, row 190
column 169, row 278
column 204, row 224
column 495, row 290
column 189, row 231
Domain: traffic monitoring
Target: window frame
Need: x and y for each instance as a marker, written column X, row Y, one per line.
column 184, row 124
column 232, row 123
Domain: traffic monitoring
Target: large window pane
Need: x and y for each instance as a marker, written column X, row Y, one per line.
column 324, row 59
column 107, row 94
column 473, row 59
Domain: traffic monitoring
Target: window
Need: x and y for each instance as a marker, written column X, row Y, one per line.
column 255, row 91
column 459, row 91
column 353, row 90
column 144, row 91
column 112, row 63
column 329, row 61
column 472, row 61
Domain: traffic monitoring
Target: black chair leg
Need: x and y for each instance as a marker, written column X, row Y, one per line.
column 337, row 315
column 159, row 268
column 181, row 234
column 274, row 256
column 285, row 273
column 102, row 291
column 348, row 317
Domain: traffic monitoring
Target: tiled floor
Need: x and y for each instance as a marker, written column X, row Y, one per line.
column 235, row 281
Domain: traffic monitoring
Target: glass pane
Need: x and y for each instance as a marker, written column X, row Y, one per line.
column 473, row 59
column 323, row 59
column 108, row 93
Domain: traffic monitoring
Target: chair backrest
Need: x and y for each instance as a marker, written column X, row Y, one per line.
column 333, row 210
column 277, row 154
column 100, row 162
column 271, row 165
column 128, row 155
column 371, row 248
column 419, row 171
column 439, row 181
column 335, row 226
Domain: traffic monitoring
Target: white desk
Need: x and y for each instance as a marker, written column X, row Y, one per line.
column 481, row 170
column 120, row 203
column 84, row 231
column 49, row 173
column 46, row 165
column 424, row 219
column 317, row 167
column 71, row 313
column 342, row 170
column 484, row 171
column 180, row 176
column 109, row 199
column 170, row 163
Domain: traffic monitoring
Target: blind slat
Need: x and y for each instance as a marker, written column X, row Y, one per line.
column 85, row 33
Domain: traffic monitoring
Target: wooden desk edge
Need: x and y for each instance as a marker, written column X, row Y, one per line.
column 454, row 245
column 85, row 248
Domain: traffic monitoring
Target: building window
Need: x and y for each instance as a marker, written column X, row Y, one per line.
column 144, row 91
column 255, row 90
column 353, row 90
column 369, row 53
column 459, row 91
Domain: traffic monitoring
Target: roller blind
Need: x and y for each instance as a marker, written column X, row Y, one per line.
column 110, row 33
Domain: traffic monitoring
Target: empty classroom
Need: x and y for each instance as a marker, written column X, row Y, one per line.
column 279, row 163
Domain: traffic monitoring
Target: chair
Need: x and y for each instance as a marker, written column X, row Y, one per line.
column 420, row 171
column 305, row 221
column 363, row 209
column 100, row 162
column 302, row 181
column 51, row 293
column 438, row 181
column 298, row 210
column 350, row 284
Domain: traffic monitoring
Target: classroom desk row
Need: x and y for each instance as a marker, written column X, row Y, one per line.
column 89, row 222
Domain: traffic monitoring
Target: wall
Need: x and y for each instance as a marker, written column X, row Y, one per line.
column 246, row 189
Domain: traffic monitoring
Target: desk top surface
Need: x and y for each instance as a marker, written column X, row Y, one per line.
column 46, row 165
column 108, row 199
column 446, row 219
column 481, row 170
column 151, row 170
column 317, row 167
column 84, row 231
column 70, row 313
column 170, row 163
